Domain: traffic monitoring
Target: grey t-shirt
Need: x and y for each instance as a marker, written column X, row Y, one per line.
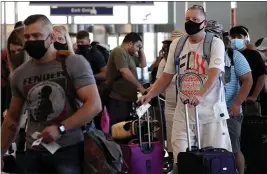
column 43, row 87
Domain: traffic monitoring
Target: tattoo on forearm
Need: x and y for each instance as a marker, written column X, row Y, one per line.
column 12, row 128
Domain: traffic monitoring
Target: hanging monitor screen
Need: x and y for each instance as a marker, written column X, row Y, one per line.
column 90, row 3
column 72, row 11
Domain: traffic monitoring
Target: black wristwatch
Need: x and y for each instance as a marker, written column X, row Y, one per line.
column 61, row 128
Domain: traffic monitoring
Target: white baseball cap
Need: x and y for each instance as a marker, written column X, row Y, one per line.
column 263, row 45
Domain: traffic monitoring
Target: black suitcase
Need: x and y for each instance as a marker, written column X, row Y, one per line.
column 254, row 144
column 208, row 160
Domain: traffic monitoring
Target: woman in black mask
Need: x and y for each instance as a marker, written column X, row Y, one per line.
column 16, row 57
column 63, row 41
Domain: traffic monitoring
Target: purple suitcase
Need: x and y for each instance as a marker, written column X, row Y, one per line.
column 207, row 160
column 143, row 158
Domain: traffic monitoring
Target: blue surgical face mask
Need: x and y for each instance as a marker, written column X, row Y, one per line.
column 237, row 44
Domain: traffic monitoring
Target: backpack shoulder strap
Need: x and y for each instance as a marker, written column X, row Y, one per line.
column 62, row 55
column 207, row 46
column 230, row 53
column 179, row 48
column 71, row 94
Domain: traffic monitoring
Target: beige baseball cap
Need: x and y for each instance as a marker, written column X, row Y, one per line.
column 175, row 34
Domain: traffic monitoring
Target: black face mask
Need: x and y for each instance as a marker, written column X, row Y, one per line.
column 17, row 59
column 60, row 46
column 36, row 48
column 83, row 50
column 192, row 28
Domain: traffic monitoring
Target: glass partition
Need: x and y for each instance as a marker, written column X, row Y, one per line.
column 149, row 47
column 10, row 12
column 112, row 42
column 157, row 14
column 25, row 10
column 120, row 16
column 161, row 37
column 121, row 37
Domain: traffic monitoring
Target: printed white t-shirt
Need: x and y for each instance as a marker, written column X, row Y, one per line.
column 213, row 107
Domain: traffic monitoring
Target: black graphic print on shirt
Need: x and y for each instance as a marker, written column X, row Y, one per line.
column 45, row 105
column 46, row 99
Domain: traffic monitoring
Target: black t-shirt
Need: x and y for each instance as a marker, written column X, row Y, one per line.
column 256, row 64
column 96, row 60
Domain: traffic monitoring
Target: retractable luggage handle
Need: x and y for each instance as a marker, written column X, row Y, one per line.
column 161, row 118
column 187, row 126
column 148, row 127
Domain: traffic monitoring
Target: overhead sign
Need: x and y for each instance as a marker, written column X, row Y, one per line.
column 90, row 3
column 72, row 11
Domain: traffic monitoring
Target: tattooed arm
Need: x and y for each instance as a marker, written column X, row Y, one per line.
column 10, row 125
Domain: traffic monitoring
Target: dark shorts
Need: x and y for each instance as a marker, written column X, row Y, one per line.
column 234, row 127
column 67, row 160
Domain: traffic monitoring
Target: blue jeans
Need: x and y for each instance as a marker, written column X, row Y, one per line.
column 67, row 160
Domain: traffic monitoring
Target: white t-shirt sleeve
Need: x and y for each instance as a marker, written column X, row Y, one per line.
column 170, row 66
column 161, row 67
column 217, row 54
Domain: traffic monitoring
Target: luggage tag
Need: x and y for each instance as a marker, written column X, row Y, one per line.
column 142, row 110
column 51, row 147
column 37, row 142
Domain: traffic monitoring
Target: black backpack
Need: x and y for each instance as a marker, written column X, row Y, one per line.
column 104, row 51
column 101, row 153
